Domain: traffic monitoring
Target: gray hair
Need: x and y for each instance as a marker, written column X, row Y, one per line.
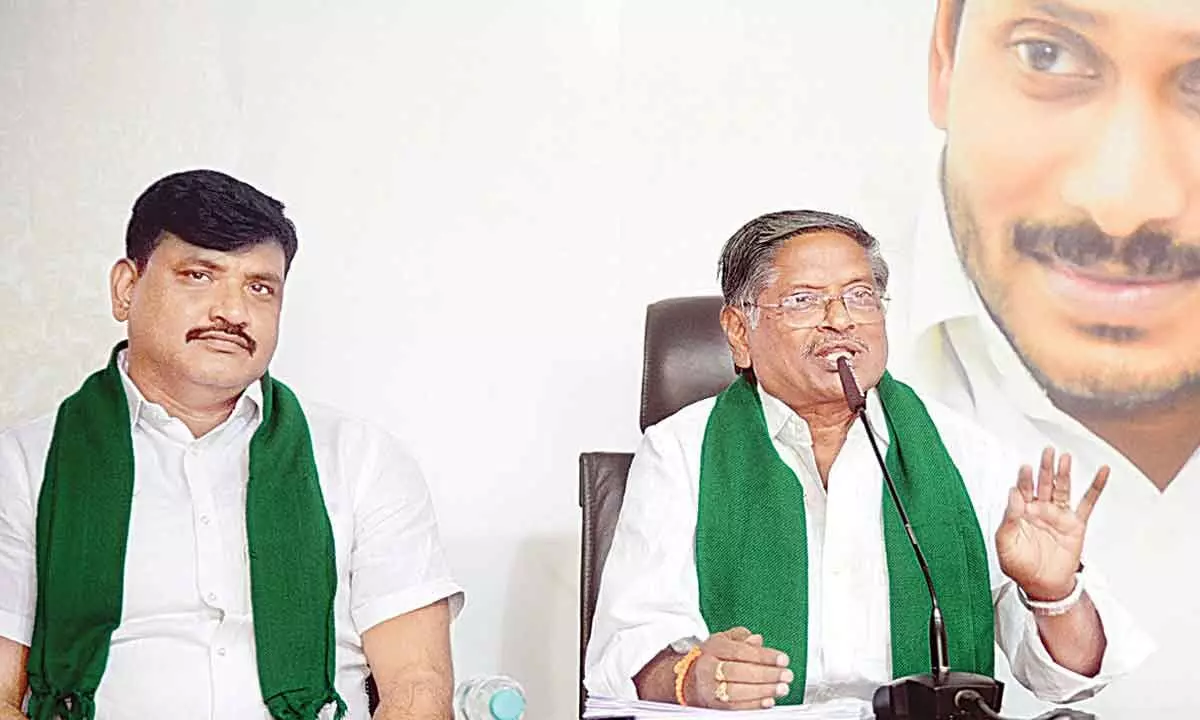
column 746, row 266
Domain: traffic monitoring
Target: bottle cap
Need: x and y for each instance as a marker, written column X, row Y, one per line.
column 507, row 704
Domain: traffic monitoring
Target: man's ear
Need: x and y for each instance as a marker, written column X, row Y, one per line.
column 941, row 58
column 122, row 279
column 737, row 332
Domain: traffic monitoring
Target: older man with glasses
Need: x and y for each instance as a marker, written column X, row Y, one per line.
column 757, row 560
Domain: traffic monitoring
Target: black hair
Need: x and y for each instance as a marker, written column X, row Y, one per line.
column 208, row 209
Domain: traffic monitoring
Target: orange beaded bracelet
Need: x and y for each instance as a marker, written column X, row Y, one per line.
column 681, row 671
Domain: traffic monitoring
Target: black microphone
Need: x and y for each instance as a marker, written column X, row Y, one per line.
column 942, row 694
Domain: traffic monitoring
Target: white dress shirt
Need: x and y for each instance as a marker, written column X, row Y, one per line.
column 185, row 644
column 649, row 596
column 946, row 345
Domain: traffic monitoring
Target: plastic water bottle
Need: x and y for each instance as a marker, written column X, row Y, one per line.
column 489, row 697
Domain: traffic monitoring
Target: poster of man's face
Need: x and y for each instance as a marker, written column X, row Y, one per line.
column 1070, row 172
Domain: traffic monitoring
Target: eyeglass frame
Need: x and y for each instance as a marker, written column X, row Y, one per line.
column 826, row 300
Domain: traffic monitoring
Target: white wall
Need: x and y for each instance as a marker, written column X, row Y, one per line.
column 488, row 195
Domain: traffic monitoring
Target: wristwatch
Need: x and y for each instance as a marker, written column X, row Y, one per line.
column 684, row 645
column 1054, row 607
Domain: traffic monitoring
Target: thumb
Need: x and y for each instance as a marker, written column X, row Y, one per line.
column 738, row 634
column 1013, row 512
column 1015, row 507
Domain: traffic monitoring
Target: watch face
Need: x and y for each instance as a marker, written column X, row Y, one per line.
column 684, row 645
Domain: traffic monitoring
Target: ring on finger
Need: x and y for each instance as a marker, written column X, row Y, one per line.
column 722, row 692
column 719, row 674
column 1060, row 497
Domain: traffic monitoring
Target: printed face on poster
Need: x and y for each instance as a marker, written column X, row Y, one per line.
column 1052, row 276
column 1070, row 174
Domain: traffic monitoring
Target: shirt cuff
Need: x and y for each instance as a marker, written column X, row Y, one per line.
column 17, row 628
column 610, row 674
column 1127, row 646
column 389, row 606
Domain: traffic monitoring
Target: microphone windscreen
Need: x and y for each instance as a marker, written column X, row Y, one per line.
column 854, row 396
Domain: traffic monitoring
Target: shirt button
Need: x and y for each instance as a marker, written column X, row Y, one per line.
column 221, row 652
column 212, row 597
column 203, row 519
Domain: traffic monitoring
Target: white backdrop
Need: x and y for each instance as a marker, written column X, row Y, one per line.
column 487, row 194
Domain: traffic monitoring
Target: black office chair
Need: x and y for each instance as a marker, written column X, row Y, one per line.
column 686, row 358
column 372, row 695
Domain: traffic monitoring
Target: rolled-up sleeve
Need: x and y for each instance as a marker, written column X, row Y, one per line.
column 397, row 562
column 648, row 594
column 1032, row 666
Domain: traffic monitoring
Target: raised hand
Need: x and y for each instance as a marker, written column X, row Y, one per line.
column 1040, row 540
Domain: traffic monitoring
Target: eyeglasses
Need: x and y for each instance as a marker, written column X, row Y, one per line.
column 802, row 310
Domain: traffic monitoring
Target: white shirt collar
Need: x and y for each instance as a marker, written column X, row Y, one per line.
column 785, row 425
column 249, row 402
column 953, row 297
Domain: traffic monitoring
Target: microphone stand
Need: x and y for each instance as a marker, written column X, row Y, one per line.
column 941, row 694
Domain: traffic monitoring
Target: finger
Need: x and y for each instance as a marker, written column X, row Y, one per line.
column 1062, row 480
column 1025, row 483
column 722, row 648
column 752, row 705
column 1045, row 480
column 1064, row 468
column 711, row 693
column 739, row 672
column 752, row 692
column 755, row 639
column 1088, row 503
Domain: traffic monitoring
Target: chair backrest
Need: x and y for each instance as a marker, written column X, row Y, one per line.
column 601, row 490
column 686, row 358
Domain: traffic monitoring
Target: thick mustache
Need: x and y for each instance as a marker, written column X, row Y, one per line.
column 234, row 331
column 841, row 343
column 1146, row 253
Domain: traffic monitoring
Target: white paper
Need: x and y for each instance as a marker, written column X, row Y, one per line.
column 837, row 709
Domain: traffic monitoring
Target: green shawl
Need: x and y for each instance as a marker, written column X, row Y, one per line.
column 82, row 528
column 751, row 538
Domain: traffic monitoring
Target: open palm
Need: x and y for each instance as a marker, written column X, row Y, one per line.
column 1040, row 540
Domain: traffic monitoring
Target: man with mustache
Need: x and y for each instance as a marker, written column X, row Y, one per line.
column 227, row 331
column 186, row 538
column 1052, row 292
column 757, row 559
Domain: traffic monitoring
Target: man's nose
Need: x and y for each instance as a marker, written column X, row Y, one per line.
column 837, row 317
column 229, row 304
column 1131, row 172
